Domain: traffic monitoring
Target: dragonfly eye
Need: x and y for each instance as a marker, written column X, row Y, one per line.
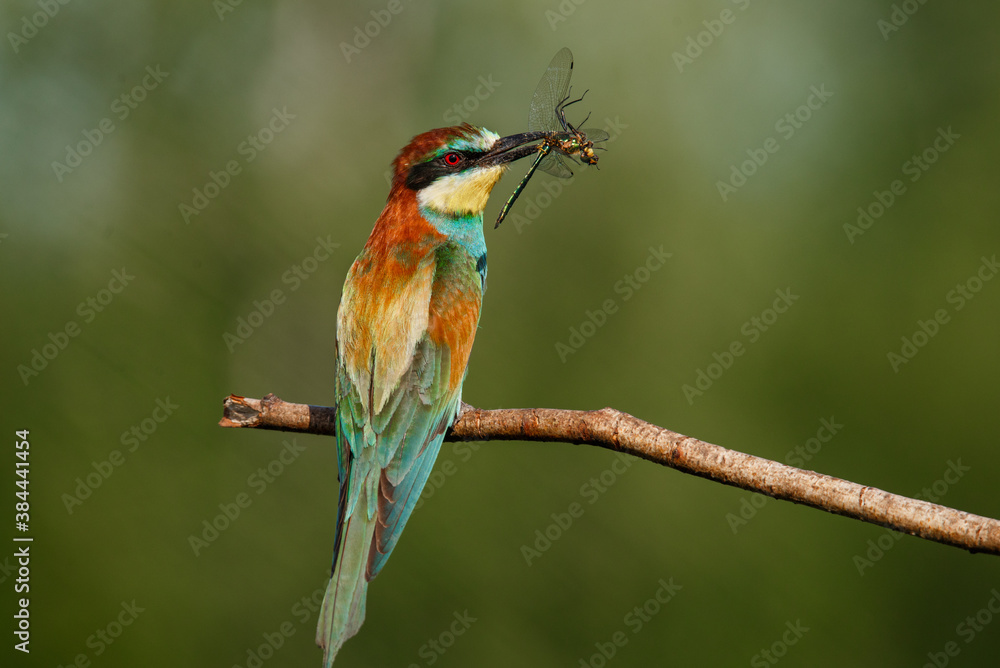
column 452, row 159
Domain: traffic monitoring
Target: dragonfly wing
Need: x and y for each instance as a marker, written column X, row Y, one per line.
column 555, row 164
column 595, row 135
column 551, row 90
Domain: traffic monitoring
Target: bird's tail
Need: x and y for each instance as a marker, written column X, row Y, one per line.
column 343, row 609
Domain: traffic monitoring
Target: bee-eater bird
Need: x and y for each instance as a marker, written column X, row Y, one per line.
column 405, row 327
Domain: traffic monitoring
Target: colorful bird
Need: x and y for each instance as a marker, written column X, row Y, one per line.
column 405, row 327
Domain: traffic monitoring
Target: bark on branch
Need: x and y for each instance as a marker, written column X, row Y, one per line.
column 614, row 430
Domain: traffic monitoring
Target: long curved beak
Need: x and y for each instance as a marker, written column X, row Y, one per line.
column 511, row 148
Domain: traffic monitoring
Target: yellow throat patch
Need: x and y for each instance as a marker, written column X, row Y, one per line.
column 466, row 192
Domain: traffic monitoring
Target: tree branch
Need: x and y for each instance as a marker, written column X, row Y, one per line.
column 614, row 430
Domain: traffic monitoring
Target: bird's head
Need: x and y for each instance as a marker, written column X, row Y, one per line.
column 452, row 170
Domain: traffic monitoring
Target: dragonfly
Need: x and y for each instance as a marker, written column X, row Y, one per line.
column 560, row 138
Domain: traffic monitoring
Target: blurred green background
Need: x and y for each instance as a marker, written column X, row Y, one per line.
column 155, row 97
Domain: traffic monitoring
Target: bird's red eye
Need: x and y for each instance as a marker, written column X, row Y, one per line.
column 452, row 159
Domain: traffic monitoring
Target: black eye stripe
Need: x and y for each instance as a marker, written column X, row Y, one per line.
column 425, row 173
